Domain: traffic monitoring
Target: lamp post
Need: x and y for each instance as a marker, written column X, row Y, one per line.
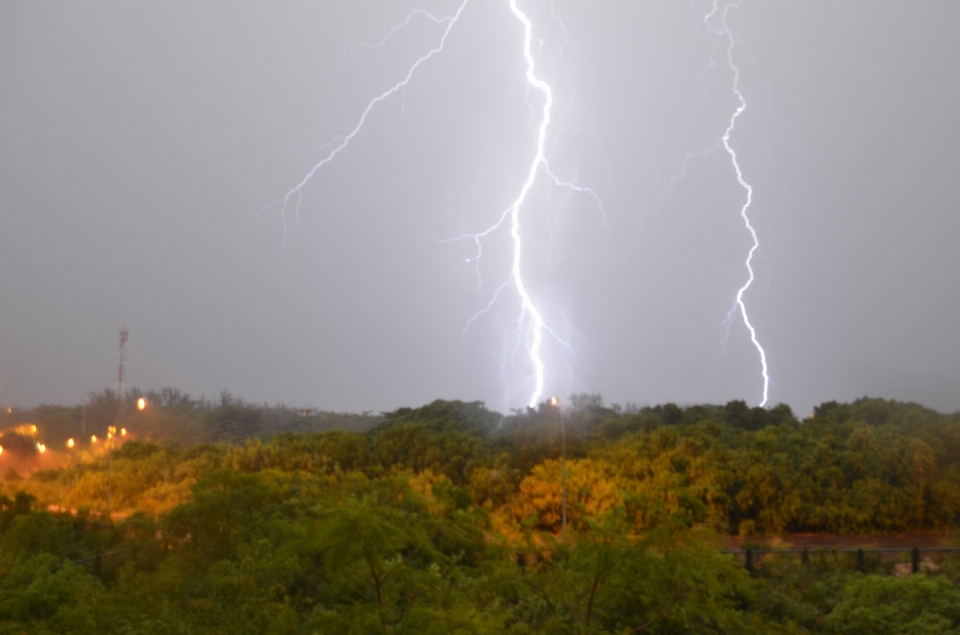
column 109, row 448
column 563, row 470
column 112, row 432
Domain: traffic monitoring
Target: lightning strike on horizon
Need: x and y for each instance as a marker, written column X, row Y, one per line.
column 536, row 328
column 527, row 303
column 292, row 200
column 477, row 238
column 725, row 32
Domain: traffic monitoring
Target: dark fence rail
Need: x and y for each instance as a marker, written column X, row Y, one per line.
column 751, row 555
column 145, row 555
column 107, row 563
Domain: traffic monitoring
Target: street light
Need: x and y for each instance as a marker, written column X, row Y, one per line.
column 112, row 432
column 563, row 469
column 108, row 446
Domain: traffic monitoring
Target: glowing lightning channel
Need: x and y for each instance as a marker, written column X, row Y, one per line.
column 528, row 305
column 736, row 165
column 513, row 213
column 393, row 31
column 580, row 189
column 294, row 197
column 296, row 193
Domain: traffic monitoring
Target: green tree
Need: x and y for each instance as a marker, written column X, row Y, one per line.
column 913, row 605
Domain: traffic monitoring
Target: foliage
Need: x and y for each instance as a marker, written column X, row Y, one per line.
column 449, row 519
column 897, row 606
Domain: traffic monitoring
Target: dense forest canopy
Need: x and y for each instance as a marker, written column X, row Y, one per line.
column 867, row 466
column 449, row 517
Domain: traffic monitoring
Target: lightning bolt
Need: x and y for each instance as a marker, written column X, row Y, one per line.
column 394, row 31
column 579, row 189
column 530, row 319
column 725, row 31
column 294, row 196
column 672, row 182
column 528, row 306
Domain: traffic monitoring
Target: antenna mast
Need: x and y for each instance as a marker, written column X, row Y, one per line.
column 121, row 371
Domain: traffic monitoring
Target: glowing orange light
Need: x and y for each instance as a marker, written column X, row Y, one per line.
column 33, row 429
column 141, row 403
column 93, row 438
column 9, row 410
column 554, row 401
column 109, row 435
column 123, row 432
column 70, row 443
column 42, row 448
column 1, row 449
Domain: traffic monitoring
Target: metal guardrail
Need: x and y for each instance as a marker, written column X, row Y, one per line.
column 98, row 559
column 748, row 554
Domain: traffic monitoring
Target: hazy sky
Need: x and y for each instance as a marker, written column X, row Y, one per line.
column 142, row 143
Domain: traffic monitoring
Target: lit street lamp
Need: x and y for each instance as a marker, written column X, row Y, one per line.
column 112, row 432
column 109, row 447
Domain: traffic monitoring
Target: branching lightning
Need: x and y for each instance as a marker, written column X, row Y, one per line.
column 529, row 314
column 728, row 34
column 530, row 320
column 394, row 31
column 530, row 325
column 579, row 189
column 294, row 197
column 672, row 182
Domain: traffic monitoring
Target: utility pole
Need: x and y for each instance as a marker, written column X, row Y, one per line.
column 109, row 473
column 563, row 473
column 112, row 430
column 563, row 470
column 121, row 371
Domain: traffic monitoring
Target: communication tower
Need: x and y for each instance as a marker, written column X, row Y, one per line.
column 121, row 371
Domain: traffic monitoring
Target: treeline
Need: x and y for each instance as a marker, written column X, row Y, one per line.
column 865, row 467
column 169, row 415
column 448, row 519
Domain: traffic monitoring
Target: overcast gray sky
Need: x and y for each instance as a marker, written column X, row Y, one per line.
column 141, row 144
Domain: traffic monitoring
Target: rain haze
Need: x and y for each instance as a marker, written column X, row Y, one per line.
column 146, row 149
